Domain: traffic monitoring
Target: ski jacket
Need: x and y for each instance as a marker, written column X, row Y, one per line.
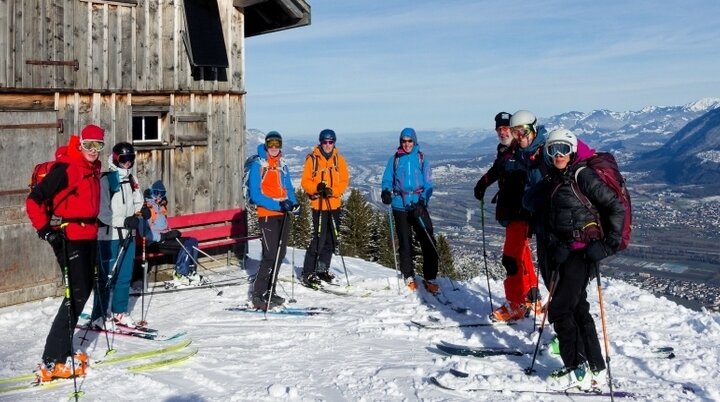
column 158, row 222
column 408, row 177
column 120, row 198
column 568, row 220
column 331, row 170
column 269, row 183
column 511, row 186
column 70, row 191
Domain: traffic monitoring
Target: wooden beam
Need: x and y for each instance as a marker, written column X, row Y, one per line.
column 247, row 3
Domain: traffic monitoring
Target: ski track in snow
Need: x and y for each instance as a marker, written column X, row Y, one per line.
column 367, row 350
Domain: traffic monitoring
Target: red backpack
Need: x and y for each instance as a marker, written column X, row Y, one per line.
column 605, row 166
column 42, row 169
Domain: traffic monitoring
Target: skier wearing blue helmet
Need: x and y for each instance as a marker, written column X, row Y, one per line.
column 407, row 187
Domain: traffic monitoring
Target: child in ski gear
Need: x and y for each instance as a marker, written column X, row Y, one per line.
column 160, row 237
column 521, row 283
column 407, row 187
column 271, row 189
column 573, row 232
column 325, row 178
column 63, row 208
column 120, row 203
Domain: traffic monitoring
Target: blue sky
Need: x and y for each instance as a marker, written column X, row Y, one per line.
column 381, row 65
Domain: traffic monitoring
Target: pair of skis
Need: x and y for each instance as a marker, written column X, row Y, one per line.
column 283, row 310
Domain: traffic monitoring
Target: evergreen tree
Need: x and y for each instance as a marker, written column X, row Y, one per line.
column 386, row 255
column 252, row 221
column 301, row 233
column 446, row 263
column 356, row 226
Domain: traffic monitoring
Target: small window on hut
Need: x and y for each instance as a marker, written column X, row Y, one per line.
column 146, row 129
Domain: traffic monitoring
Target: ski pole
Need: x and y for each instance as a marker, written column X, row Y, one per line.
column 317, row 234
column 487, row 274
column 292, row 284
column 103, row 309
column 394, row 253
column 70, row 306
column 604, row 328
column 274, row 273
column 121, row 254
column 553, row 284
column 219, row 292
column 144, row 269
column 336, row 241
column 215, row 260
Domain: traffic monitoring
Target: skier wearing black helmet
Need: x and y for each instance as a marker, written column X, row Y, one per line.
column 120, row 203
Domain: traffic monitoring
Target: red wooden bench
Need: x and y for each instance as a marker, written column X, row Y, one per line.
column 212, row 229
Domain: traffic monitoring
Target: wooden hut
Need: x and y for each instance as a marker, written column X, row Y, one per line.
column 166, row 75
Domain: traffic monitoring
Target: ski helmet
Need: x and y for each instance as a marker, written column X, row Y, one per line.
column 327, row 134
column 273, row 138
column 523, row 117
column 123, row 152
column 561, row 136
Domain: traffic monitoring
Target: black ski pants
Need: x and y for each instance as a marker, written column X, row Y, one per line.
column 404, row 221
column 569, row 312
column 272, row 240
column 323, row 243
column 81, row 260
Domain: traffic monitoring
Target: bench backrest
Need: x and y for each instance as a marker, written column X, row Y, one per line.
column 209, row 226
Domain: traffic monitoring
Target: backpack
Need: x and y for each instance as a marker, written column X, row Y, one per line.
column 605, row 166
column 114, row 182
column 264, row 167
column 39, row 172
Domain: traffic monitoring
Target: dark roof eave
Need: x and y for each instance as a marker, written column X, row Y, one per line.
column 266, row 16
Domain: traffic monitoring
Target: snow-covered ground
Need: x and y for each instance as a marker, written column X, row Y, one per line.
column 367, row 350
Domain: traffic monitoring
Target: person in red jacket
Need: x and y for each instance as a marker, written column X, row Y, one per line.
column 63, row 208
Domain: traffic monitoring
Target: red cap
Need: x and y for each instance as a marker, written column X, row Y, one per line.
column 92, row 132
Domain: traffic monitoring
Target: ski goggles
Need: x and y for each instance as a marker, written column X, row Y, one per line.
column 522, row 131
column 558, row 149
column 126, row 158
column 89, row 145
column 273, row 143
column 158, row 193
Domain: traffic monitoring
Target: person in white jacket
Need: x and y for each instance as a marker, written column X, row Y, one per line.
column 120, row 204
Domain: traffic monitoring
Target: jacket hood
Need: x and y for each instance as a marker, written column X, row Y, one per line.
column 583, row 152
column 408, row 132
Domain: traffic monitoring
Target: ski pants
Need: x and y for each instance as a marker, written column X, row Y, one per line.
column 274, row 244
column 404, row 220
column 569, row 312
column 321, row 248
column 80, row 257
column 119, row 281
column 184, row 263
column 521, row 282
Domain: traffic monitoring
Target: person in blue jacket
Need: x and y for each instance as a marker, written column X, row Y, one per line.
column 407, row 187
column 270, row 189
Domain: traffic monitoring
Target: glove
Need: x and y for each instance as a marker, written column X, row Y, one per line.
column 479, row 190
column 145, row 212
column 386, row 197
column 323, row 190
column 286, row 205
column 418, row 210
column 131, row 222
column 170, row 235
column 598, row 250
column 52, row 236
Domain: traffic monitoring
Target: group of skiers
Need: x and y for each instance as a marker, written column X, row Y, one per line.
column 538, row 176
column 543, row 182
column 91, row 219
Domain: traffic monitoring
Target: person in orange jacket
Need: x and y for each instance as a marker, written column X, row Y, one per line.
column 325, row 178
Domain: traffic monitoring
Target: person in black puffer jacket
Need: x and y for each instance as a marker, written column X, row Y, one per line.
column 576, row 245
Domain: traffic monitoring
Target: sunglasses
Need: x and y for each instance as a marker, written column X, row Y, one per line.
column 327, row 142
column 406, row 141
column 92, row 145
column 126, row 158
column 522, row 131
column 558, row 149
column 273, row 143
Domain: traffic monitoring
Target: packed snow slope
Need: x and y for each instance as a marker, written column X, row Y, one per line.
column 368, row 349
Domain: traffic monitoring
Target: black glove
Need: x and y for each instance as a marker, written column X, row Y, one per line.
column 131, row 222
column 479, row 190
column 598, row 250
column 53, row 236
column 286, row 205
column 323, row 190
column 386, row 197
column 145, row 212
column 419, row 210
column 170, row 235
